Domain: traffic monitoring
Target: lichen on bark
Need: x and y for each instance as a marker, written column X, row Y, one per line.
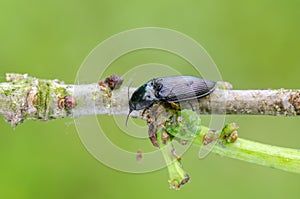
column 24, row 97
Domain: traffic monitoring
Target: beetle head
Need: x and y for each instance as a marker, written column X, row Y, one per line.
column 142, row 98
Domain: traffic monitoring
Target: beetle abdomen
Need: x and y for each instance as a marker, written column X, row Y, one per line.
column 182, row 88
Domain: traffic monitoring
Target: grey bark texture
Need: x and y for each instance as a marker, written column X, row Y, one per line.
column 27, row 98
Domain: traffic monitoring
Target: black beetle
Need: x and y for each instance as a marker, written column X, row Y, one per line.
column 169, row 89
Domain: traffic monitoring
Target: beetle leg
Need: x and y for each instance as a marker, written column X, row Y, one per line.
column 191, row 105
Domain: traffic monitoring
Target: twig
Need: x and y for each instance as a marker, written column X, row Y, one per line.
column 186, row 125
column 27, row 98
column 262, row 154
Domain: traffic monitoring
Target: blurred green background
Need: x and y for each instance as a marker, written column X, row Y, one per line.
column 255, row 45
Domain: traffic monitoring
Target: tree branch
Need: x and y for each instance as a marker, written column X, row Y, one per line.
column 27, row 98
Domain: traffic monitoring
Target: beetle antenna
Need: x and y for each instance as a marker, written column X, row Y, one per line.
column 130, row 110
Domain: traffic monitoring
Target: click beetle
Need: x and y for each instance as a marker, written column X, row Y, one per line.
column 170, row 89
